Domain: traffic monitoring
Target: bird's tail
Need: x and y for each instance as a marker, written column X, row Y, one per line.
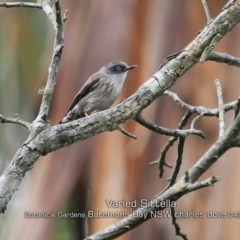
column 70, row 116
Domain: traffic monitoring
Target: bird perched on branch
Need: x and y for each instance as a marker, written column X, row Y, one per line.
column 99, row 92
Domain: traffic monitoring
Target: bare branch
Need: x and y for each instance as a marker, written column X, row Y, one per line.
column 215, row 152
column 194, row 120
column 224, row 58
column 21, row 4
column 206, row 183
column 168, row 59
column 162, row 158
column 143, row 214
column 237, row 108
column 173, row 178
column 208, row 50
column 52, row 138
column 126, row 132
column 175, row 224
column 46, row 6
column 221, row 109
column 205, row 6
column 15, row 120
column 195, row 186
column 165, row 131
column 199, row 109
column 58, row 47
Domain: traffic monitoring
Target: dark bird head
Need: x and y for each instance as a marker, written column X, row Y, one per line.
column 117, row 67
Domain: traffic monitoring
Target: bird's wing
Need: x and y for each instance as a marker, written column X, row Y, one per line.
column 87, row 87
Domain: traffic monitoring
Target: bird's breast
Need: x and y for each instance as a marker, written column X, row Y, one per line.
column 104, row 95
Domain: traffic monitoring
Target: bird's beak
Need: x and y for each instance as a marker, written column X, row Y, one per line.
column 130, row 67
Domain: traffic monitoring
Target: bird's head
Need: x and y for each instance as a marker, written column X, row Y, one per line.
column 117, row 67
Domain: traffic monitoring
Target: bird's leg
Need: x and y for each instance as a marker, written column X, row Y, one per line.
column 86, row 115
column 95, row 111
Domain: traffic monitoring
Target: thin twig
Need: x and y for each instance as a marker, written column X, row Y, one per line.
column 184, row 120
column 237, row 108
column 57, row 52
column 224, row 58
column 175, row 224
column 162, row 158
column 182, row 123
column 47, row 143
column 186, row 177
column 194, row 120
column 134, row 219
column 206, row 9
column 65, row 16
column 199, row 109
column 206, row 183
column 50, row 13
column 208, row 50
column 126, row 132
column 176, row 170
column 165, row 131
column 221, row 109
column 173, row 178
column 16, row 120
column 21, row 4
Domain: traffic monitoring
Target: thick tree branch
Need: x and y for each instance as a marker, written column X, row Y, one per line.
column 237, row 108
column 176, row 170
column 208, row 50
column 217, row 150
column 52, row 138
column 56, row 21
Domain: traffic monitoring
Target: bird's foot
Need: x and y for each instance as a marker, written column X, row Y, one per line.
column 86, row 114
column 95, row 111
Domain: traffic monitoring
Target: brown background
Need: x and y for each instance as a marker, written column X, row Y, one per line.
column 111, row 166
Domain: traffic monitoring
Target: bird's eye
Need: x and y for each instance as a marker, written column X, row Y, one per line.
column 118, row 68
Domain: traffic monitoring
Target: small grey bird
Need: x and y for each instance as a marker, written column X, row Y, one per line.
column 99, row 92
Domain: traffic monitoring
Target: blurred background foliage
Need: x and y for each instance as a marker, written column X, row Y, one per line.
column 111, row 166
